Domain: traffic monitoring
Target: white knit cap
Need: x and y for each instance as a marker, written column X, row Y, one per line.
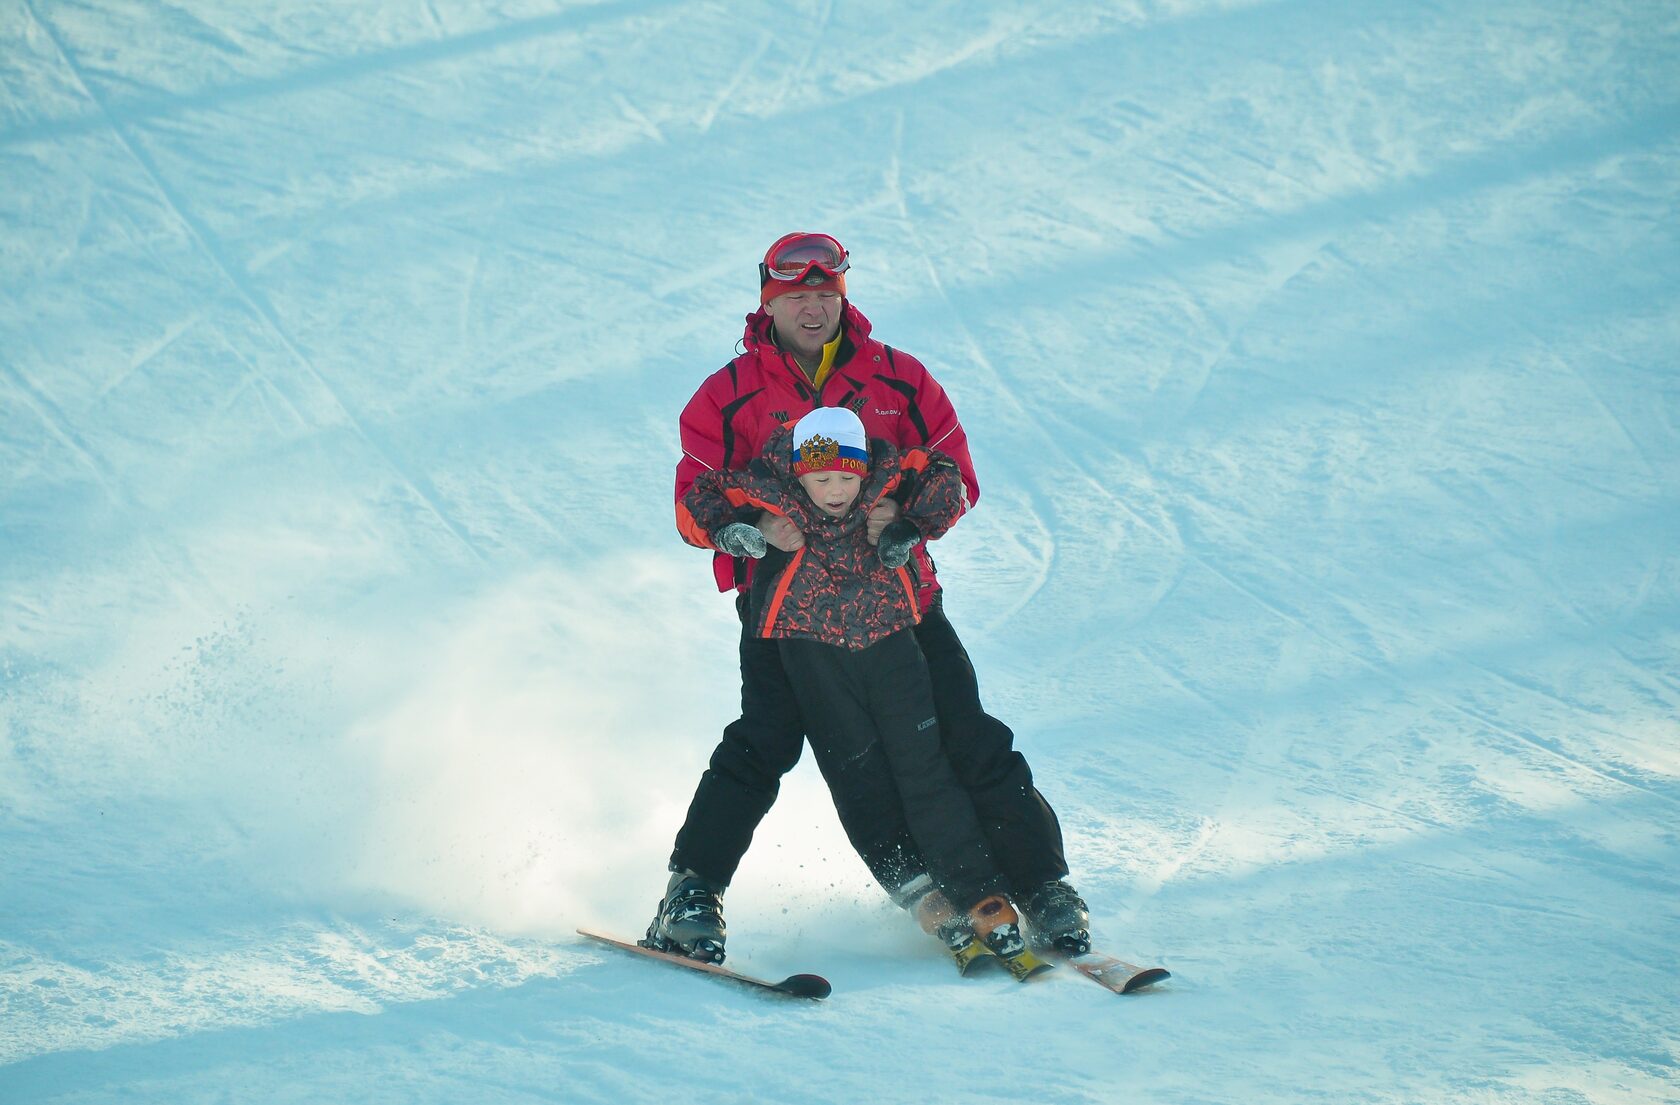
column 830, row 439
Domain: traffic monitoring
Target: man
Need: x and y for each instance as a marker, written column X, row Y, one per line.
column 808, row 347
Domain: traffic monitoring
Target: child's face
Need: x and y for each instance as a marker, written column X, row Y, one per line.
column 833, row 492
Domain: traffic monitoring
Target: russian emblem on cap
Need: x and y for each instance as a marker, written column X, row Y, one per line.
column 819, row 452
column 830, row 439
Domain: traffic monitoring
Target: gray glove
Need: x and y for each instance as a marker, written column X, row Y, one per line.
column 896, row 542
column 740, row 539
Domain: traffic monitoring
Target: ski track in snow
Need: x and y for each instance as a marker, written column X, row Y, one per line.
column 249, row 293
column 1318, row 363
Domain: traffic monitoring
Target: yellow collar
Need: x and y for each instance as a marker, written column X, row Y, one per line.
column 827, row 364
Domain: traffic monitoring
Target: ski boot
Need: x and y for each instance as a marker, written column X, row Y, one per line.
column 690, row 920
column 996, row 923
column 934, row 914
column 989, row 931
column 1057, row 918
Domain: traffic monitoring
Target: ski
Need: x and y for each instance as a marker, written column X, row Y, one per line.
column 1109, row 972
column 793, row 986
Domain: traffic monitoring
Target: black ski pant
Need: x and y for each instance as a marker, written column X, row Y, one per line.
column 740, row 784
column 863, row 703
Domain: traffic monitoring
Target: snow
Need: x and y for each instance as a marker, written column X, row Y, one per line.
column 1320, row 365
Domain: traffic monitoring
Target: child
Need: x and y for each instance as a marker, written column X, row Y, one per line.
column 841, row 611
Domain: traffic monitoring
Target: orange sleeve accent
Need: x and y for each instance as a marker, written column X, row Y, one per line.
column 782, row 586
column 737, row 497
column 695, row 533
column 692, row 532
column 916, row 460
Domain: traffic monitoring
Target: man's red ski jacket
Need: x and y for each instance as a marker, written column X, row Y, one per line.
column 740, row 405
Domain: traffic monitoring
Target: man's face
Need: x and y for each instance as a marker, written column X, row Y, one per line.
column 833, row 492
column 806, row 320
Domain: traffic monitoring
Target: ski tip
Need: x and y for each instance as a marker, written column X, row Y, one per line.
column 1146, row 978
column 805, row 986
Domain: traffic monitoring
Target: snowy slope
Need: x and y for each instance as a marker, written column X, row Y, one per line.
column 1320, row 364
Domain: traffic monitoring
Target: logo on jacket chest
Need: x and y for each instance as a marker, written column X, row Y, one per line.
column 861, row 405
column 856, row 405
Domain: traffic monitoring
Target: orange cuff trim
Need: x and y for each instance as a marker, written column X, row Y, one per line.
column 691, row 530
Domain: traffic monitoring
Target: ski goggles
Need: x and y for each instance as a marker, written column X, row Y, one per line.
column 793, row 256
